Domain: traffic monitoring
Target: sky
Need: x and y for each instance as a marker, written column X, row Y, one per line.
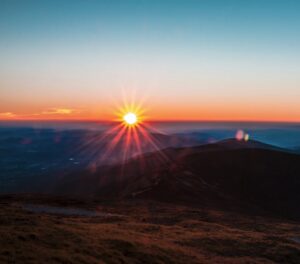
column 182, row 60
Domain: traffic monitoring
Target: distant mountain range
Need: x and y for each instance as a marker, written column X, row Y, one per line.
column 228, row 173
column 31, row 158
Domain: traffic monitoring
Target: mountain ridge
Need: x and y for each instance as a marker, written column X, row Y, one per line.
column 209, row 175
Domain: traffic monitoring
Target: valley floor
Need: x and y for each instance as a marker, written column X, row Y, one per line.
column 139, row 232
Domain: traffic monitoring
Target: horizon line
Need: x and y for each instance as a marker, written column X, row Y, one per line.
column 155, row 121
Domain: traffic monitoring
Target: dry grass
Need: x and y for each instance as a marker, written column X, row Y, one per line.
column 145, row 232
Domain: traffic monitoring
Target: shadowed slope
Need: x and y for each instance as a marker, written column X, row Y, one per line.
column 225, row 173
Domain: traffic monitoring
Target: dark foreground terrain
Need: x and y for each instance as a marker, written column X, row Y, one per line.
column 227, row 202
column 134, row 231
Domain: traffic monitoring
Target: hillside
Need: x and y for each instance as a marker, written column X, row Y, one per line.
column 228, row 173
column 140, row 232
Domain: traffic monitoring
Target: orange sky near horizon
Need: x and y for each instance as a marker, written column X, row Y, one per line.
column 160, row 112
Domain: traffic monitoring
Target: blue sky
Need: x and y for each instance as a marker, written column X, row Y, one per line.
column 214, row 59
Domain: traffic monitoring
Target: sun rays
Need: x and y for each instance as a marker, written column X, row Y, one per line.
column 131, row 114
column 129, row 136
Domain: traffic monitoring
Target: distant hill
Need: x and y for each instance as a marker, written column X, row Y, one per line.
column 227, row 173
column 297, row 150
column 32, row 159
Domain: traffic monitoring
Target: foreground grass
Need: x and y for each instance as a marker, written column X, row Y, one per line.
column 143, row 232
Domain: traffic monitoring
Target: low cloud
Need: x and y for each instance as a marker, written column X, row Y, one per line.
column 59, row 111
column 48, row 113
column 7, row 115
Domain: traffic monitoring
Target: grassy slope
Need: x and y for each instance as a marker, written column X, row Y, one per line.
column 145, row 232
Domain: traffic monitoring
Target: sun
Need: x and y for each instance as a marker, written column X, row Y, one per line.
column 130, row 118
column 130, row 115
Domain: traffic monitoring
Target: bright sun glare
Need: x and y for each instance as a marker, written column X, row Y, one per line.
column 130, row 118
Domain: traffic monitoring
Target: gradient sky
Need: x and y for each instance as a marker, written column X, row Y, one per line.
column 189, row 60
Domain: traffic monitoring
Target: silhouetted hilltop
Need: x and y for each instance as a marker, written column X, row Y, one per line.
column 227, row 173
column 233, row 143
